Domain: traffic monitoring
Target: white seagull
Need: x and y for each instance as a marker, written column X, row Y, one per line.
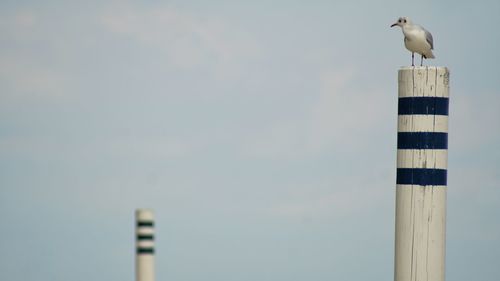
column 417, row 39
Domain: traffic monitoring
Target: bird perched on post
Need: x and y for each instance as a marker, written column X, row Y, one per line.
column 417, row 39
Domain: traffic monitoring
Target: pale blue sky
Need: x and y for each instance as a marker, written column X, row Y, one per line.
column 262, row 133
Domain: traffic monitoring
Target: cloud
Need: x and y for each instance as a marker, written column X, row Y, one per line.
column 27, row 19
column 150, row 147
column 22, row 77
column 472, row 120
column 188, row 41
column 340, row 115
column 333, row 198
column 19, row 22
column 22, row 72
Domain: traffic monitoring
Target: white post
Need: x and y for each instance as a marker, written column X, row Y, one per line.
column 421, row 182
column 144, row 262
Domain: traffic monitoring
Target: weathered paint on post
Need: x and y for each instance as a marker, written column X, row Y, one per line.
column 421, row 182
column 144, row 262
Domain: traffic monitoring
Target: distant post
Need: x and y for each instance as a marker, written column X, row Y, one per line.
column 421, row 184
column 144, row 262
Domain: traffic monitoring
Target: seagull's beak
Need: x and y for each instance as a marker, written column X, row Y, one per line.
column 394, row 24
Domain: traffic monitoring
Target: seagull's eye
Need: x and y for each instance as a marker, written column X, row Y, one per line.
column 399, row 20
column 405, row 21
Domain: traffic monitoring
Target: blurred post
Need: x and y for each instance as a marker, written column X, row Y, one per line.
column 421, row 182
column 144, row 263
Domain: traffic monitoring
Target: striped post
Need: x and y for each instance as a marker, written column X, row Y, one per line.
column 144, row 262
column 421, row 174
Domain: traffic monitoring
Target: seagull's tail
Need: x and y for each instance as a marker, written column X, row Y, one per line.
column 429, row 55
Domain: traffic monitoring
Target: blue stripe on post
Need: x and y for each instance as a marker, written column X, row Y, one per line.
column 422, row 140
column 419, row 176
column 145, row 223
column 148, row 251
column 423, row 105
column 145, row 237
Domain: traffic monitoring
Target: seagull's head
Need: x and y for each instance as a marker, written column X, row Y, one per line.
column 402, row 21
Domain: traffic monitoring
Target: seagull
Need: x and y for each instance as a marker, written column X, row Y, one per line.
column 417, row 39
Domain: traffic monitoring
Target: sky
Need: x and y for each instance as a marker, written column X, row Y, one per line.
column 262, row 133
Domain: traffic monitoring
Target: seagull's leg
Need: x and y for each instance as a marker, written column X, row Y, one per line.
column 421, row 60
column 412, row 59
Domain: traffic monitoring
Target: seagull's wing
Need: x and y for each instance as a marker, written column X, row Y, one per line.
column 428, row 37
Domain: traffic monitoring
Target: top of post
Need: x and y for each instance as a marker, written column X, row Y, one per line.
column 442, row 68
column 423, row 81
column 144, row 215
